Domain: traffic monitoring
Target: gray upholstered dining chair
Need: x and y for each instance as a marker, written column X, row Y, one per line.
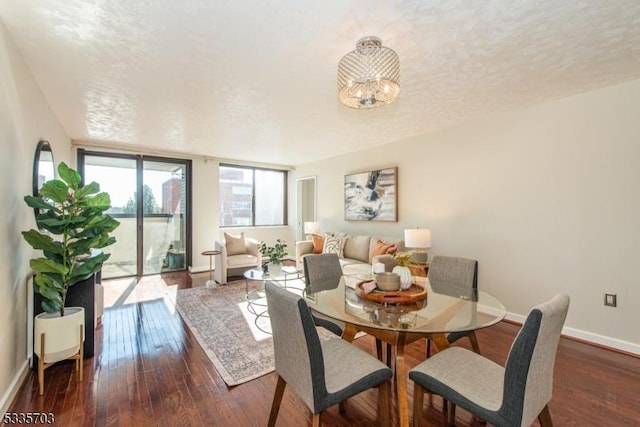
column 458, row 277
column 505, row 397
column 321, row 372
column 322, row 269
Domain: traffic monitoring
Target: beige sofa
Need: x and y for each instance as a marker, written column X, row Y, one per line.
column 357, row 252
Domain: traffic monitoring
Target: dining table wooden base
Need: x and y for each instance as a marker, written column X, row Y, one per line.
column 398, row 340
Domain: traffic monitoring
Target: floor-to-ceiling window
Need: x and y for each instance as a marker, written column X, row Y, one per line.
column 154, row 233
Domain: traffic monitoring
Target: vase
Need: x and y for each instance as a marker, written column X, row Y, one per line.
column 405, row 276
column 275, row 269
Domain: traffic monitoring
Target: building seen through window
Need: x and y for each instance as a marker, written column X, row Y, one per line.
column 252, row 196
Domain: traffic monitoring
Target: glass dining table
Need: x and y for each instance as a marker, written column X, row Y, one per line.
column 435, row 311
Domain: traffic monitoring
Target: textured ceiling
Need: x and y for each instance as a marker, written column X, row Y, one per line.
column 256, row 80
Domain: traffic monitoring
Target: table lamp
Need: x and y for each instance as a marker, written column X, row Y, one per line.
column 419, row 239
column 311, row 227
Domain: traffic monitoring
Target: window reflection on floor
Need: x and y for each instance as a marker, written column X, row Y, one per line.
column 120, row 292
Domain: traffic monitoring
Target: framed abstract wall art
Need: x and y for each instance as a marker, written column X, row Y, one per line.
column 371, row 196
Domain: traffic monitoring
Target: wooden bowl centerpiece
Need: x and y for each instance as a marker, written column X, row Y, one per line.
column 412, row 294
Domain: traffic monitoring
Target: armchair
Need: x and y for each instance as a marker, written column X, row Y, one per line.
column 237, row 254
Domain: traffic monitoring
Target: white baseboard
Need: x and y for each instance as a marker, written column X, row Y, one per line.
column 11, row 392
column 203, row 269
column 602, row 340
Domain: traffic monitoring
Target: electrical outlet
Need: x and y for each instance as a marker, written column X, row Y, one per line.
column 610, row 300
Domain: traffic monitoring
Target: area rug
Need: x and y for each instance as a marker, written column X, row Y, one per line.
column 226, row 330
column 215, row 317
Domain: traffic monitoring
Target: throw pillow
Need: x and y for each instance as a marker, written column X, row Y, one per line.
column 234, row 244
column 380, row 248
column 318, row 243
column 333, row 245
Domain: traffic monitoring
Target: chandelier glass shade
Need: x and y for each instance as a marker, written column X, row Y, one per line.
column 369, row 76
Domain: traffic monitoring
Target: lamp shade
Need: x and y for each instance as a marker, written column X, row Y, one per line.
column 417, row 238
column 311, row 227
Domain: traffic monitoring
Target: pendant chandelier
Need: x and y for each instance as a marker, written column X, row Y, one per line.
column 369, row 76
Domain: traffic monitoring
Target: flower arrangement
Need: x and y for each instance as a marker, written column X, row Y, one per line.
column 275, row 253
column 402, row 258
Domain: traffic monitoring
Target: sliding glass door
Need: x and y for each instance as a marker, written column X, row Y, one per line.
column 164, row 241
column 117, row 176
column 154, row 234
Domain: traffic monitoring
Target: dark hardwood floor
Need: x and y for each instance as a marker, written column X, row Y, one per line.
column 149, row 370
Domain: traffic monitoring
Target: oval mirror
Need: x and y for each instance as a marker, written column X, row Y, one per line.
column 43, row 166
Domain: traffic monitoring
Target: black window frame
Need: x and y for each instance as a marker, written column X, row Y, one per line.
column 253, row 169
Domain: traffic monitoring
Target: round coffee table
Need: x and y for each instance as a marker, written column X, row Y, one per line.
column 256, row 298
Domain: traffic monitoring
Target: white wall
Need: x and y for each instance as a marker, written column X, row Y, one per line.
column 546, row 198
column 206, row 211
column 25, row 117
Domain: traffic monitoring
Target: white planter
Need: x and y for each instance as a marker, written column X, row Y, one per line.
column 275, row 269
column 58, row 338
column 62, row 334
column 405, row 276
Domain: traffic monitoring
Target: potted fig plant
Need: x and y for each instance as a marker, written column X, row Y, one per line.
column 275, row 254
column 71, row 223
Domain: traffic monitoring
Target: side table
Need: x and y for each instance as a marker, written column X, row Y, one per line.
column 420, row 270
column 210, row 283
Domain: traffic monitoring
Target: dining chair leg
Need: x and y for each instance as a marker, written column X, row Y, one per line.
column 474, row 342
column 379, row 352
column 545, row 417
column 418, row 401
column 452, row 414
column 316, row 420
column 445, row 412
column 342, row 406
column 383, row 404
column 428, row 352
column 277, row 400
